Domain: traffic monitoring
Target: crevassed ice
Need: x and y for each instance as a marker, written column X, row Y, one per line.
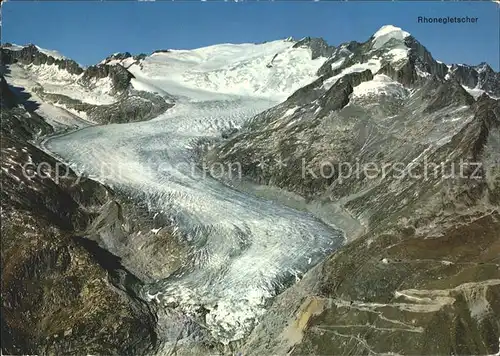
column 245, row 249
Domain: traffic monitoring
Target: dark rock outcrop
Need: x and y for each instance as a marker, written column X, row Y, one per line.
column 338, row 95
column 8, row 98
column 405, row 75
column 465, row 75
column 319, row 47
column 481, row 76
column 488, row 79
column 31, row 55
column 119, row 76
column 344, row 51
column 132, row 106
column 119, row 56
column 17, row 122
column 307, row 93
column 161, row 51
column 422, row 59
column 448, row 93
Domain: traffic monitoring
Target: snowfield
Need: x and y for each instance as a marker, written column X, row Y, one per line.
column 272, row 70
column 57, row 81
column 246, row 248
column 373, row 64
column 380, row 85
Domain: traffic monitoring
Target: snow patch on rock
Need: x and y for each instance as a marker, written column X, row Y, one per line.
column 51, row 53
column 380, row 85
column 374, row 64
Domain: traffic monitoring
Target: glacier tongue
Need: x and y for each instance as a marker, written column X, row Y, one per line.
column 245, row 249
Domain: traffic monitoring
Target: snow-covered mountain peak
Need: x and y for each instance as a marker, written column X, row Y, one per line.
column 387, row 33
column 49, row 52
column 272, row 69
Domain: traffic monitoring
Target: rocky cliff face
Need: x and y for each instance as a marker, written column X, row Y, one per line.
column 61, row 294
column 481, row 77
column 319, row 47
column 134, row 106
column 424, row 276
column 30, row 54
column 120, row 77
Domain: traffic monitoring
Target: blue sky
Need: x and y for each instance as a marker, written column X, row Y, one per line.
column 90, row 31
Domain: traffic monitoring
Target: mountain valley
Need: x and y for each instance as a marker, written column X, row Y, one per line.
column 289, row 197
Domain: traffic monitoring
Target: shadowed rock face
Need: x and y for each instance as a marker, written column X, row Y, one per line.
column 132, row 106
column 31, row 54
column 465, row 75
column 319, row 47
column 16, row 121
column 422, row 59
column 488, row 79
column 344, row 51
column 119, row 56
column 120, row 77
column 405, row 75
column 480, row 77
column 308, row 93
column 447, row 93
column 122, row 56
column 337, row 96
column 61, row 294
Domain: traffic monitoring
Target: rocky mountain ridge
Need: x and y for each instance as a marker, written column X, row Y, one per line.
column 386, row 105
column 407, row 60
column 124, row 103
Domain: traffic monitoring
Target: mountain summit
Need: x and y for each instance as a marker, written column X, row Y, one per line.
column 388, row 33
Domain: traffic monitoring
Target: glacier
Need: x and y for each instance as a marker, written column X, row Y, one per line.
column 246, row 249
